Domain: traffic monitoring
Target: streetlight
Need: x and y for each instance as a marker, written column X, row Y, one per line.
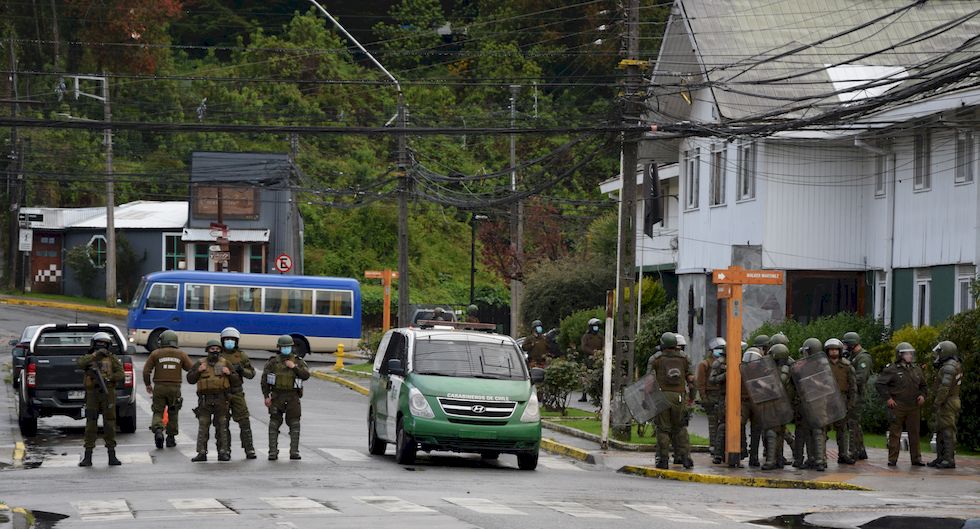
column 473, row 219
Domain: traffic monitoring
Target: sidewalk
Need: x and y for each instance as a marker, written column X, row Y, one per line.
column 64, row 305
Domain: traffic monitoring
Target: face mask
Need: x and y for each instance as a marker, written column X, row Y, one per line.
column 539, row 329
column 717, row 353
column 229, row 344
column 908, row 357
column 286, row 350
column 102, row 345
column 595, row 328
column 213, row 356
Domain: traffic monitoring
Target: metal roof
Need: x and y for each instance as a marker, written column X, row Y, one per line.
column 140, row 215
column 736, row 44
column 245, row 167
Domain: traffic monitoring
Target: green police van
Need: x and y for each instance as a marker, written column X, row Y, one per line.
column 447, row 387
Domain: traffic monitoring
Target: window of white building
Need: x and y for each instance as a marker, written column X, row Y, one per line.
column 965, row 274
column 881, row 295
column 965, row 161
column 692, row 178
column 884, row 173
column 746, row 171
column 718, row 159
column 922, row 178
column 920, row 297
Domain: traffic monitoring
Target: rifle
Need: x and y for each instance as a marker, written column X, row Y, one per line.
column 97, row 373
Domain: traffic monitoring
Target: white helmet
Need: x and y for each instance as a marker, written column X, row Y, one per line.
column 231, row 332
column 681, row 341
column 101, row 337
column 751, row 355
column 833, row 343
column 717, row 343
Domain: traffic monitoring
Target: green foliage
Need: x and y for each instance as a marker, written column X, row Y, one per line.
column 653, row 296
column 573, row 326
column 874, row 414
column 370, row 341
column 128, row 268
column 873, row 332
column 652, row 327
column 963, row 329
column 601, row 236
column 922, row 338
column 561, row 378
column 80, row 260
column 555, row 290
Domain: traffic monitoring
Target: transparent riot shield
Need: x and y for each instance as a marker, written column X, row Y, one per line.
column 770, row 403
column 644, row 399
column 820, row 398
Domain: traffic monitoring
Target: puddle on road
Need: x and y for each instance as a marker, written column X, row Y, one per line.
column 798, row 521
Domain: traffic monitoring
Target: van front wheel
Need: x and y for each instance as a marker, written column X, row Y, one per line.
column 527, row 460
column 405, row 446
column 375, row 445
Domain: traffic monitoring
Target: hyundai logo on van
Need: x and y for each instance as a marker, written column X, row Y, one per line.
column 479, row 408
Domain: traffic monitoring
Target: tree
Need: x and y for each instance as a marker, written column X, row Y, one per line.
column 126, row 22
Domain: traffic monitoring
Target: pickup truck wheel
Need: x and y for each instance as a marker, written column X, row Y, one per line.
column 527, row 460
column 376, row 446
column 127, row 423
column 405, row 446
column 28, row 425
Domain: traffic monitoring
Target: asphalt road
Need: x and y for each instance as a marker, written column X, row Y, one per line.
column 338, row 483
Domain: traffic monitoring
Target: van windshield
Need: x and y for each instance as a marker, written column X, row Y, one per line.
column 463, row 358
column 139, row 294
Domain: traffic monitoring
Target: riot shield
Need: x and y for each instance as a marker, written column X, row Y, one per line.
column 770, row 403
column 644, row 399
column 820, row 398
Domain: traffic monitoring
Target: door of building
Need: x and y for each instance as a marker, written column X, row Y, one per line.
column 812, row 294
column 47, row 270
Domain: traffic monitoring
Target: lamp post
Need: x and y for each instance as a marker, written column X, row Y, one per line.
column 473, row 218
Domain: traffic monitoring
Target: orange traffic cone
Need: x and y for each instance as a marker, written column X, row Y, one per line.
column 166, row 415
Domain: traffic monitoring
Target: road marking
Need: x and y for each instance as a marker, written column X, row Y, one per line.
column 662, row 511
column 298, row 505
column 576, row 509
column 201, row 506
column 100, row 510
column 345, row 454
column 59, row 461
column 184, row 444
column 555, row 463
column 135, row 458
column 392, row 504
column 739, row 515
column 484, row 506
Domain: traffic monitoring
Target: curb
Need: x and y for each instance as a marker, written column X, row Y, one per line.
column 617, row 445
column 121, row 313
column 550, row 445
column 353, row 373
column 19, row 452
column 342, row 381
column 741, row 481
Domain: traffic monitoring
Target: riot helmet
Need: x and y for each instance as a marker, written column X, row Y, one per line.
column 778, row 338
column 594, row 325
column 230, row 338
column 213, row 349
column 472, row 310
column 760, row 342
column 537, row 327
column 779, row 353
column 168, row 338
column 101, row 340
column 681, row 341
column 811, row 346
column 832, row 344
column 752, row 354
column 285, row 344
column 717, row 346
column 905, row 352
column 668, row 340
column 944, row 351
column 851, row 339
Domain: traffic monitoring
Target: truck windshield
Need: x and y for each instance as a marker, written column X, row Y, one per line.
column 68, row 342
column 471, row 359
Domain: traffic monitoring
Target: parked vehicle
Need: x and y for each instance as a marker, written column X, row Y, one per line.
column 318, row 312
column 19, row 351
column 445, row 388
column 51, row 382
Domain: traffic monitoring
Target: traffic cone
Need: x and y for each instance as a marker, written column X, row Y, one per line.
column 166, row 416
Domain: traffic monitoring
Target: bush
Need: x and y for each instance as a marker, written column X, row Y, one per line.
column 922, row 338
column 370, row 341
column 561, row 378
column 654, row 296
column 651, row 328
column 963, row 329
column 557, row 289
column 572, row 327
column 873, row 332
column 874, row 415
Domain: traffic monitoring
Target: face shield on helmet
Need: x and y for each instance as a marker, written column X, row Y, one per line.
column 681, row 341
column 833, row 347
column 751, row 355
column 717, row 346
column 594, row 325
column 101, row 340
column 811, row 346
column 230, row 338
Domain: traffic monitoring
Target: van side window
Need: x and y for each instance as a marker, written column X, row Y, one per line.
column 197, row 297
column 162, row 296
column 396, row 348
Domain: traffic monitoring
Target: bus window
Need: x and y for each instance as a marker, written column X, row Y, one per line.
column 334, row 303
column 237, row 299
column 197, row 297
column 288, row 301
column 162, row 296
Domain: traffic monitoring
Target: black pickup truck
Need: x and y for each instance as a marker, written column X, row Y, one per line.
column 52, row 384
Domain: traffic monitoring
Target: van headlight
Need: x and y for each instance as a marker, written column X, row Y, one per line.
column 418, row 405
column 532, row 412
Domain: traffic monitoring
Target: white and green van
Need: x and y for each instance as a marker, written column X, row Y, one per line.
column 445, row 388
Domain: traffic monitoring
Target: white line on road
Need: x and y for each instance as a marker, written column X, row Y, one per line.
column 101, row 510
column 576, row 509
column 662, row 511
column 201, row 506
column 298, row 505
column 483, row 506
column 345, row 454
column 392, row 504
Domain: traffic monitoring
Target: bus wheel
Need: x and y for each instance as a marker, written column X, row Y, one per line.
column 153, row 342
column 302, row 347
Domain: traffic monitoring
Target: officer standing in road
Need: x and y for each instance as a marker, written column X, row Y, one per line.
column 536, row 346
column 777, row 436
column 590, row 344
column 239, row 363
column 847, row 383
column 166, row 366
column 673, row 374
column 719, row 377
column 903, row 386
column 102, row 372
column 709, row 392
column 947, row 403
column 861, row 362
column 214, row 378
column 810, row 443
column 282, row 386
column 472, row 314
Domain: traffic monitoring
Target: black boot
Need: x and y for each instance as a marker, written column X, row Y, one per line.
column 584, row 398
column 171, row 442
column 662, row 463
column 754, row 461
column 224, row 456
column 86, row 459
column 688, row 463
column 200, row 457
column 113, row 461
column 158, row 438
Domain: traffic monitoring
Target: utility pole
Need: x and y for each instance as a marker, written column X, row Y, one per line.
column 13, row 176
column 625, row 320
column 110, row 203
column 516, row 224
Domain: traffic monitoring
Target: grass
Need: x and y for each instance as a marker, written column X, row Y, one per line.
column 594, row 426
column 59, row 297
column 569, row 412
column 365, row 368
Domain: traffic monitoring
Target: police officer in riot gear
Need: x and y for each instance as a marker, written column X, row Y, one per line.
column 761, row 343
column 719, row 378
column 590, row 344
column 776, row 437
column 100, row 396
column 439, row 314
column 710, row 392
column 903, row 386
column 162, row 376
column 947, row 403
column 672, row 369
column 472, row 314
column 862, row 363
column 536, row 345
column 748, row 414
column 847, row 383
column 282, row 386
column 240, row 363
column 810, row 443
column 214, row 377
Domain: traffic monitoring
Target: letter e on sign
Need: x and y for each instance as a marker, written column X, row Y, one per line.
column 284, row 263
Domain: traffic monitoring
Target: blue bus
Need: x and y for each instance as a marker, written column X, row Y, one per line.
column 319, row 312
